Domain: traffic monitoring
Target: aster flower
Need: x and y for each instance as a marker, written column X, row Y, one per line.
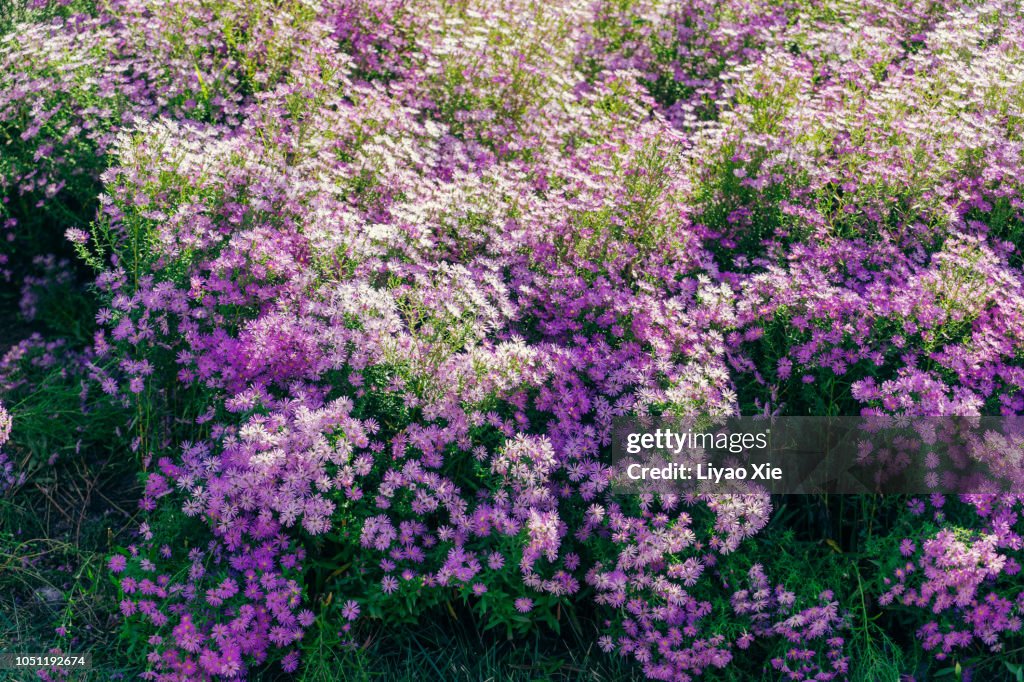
column 76, row 235
column 350, row 611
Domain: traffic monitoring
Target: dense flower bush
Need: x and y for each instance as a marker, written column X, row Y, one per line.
column 371, row 281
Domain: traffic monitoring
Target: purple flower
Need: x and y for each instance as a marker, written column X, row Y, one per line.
column 350, row 611
column 76, row 236
column 524, row 604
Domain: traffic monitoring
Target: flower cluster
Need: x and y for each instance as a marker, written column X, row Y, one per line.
column 772, row 612
column 964, row 577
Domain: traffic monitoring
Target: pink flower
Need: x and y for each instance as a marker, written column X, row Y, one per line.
column 76, row 236
column 350, row 611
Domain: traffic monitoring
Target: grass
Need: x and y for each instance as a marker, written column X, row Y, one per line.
column 55, row 534
column 452, row 647
column 57, row 528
